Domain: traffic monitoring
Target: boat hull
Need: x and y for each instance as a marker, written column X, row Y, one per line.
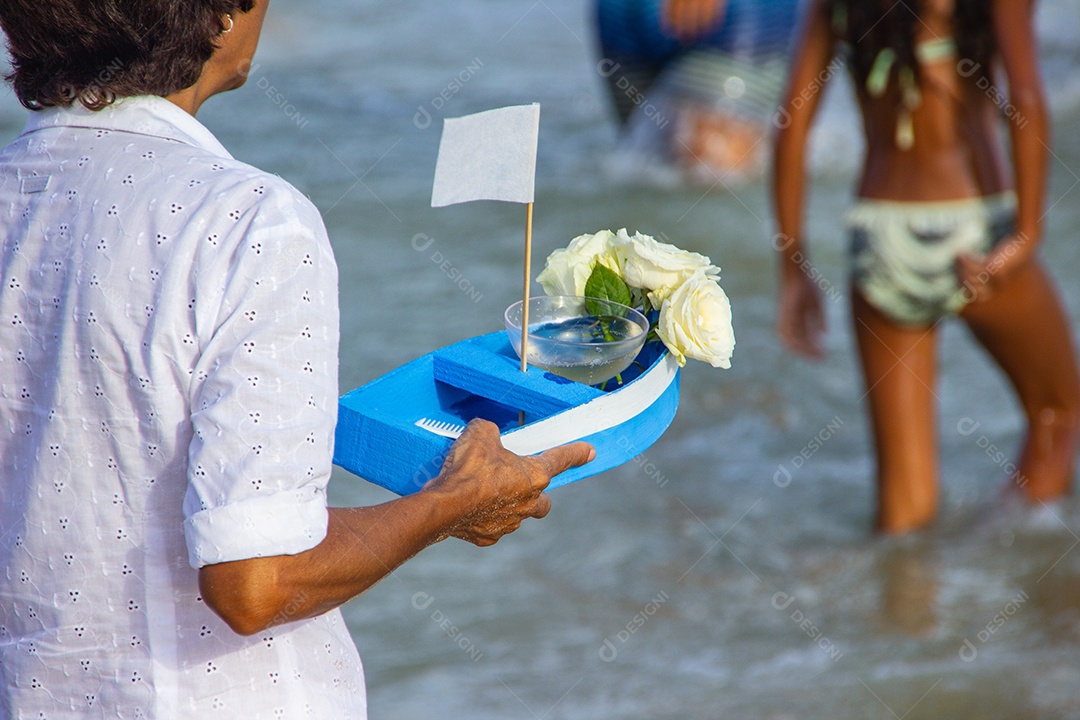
column 378, row 440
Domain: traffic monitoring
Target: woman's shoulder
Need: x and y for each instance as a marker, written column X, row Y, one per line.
column 245, row 188
column 227, row 173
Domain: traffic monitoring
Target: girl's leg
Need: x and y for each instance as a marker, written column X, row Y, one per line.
column 1024, row 327
column 900, row 370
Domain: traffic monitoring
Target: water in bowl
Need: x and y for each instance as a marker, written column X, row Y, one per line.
column 586, row 357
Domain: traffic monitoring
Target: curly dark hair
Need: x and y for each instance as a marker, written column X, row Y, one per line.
column 96, row 51
column 872, row 25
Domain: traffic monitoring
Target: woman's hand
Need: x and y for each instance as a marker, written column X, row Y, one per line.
column 689, row 20
column 498, row 488
column 982, row 277
column 800, row 321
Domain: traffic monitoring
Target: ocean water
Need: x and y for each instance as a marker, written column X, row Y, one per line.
column 731, row 571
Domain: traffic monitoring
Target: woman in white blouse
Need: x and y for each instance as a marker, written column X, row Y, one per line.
column 168, row 385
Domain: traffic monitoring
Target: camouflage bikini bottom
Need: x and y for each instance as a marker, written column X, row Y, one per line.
column 903, row 254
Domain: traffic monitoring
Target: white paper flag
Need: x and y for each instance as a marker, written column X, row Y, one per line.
column 490, row 155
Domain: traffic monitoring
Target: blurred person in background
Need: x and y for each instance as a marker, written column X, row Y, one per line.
column 947, row 220
column 693, row 82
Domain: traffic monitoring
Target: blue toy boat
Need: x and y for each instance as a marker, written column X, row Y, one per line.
column 378, row 438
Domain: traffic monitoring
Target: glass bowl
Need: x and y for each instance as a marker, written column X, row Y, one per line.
column 588, row 340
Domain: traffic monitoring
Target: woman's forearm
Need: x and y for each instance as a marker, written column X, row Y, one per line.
column 362, row 546
column 482, row 493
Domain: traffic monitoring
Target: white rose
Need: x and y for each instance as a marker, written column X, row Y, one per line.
column 695, row 322
column 567, row 269
column 658, row 267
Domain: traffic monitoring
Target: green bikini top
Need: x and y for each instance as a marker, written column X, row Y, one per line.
column 877, row 81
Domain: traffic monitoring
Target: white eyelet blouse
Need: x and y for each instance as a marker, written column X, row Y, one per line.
column 168, row 394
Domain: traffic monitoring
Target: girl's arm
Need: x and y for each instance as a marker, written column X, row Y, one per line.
column 1029, row 134
column 1029, row 129
column 800, row 320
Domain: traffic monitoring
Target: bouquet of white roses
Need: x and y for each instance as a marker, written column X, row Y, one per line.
column 693, row 314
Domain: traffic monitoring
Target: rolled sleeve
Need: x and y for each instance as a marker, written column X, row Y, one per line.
column 285, row 523
column 264, row 395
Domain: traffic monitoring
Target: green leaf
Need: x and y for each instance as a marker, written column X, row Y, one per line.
column 606, row 284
